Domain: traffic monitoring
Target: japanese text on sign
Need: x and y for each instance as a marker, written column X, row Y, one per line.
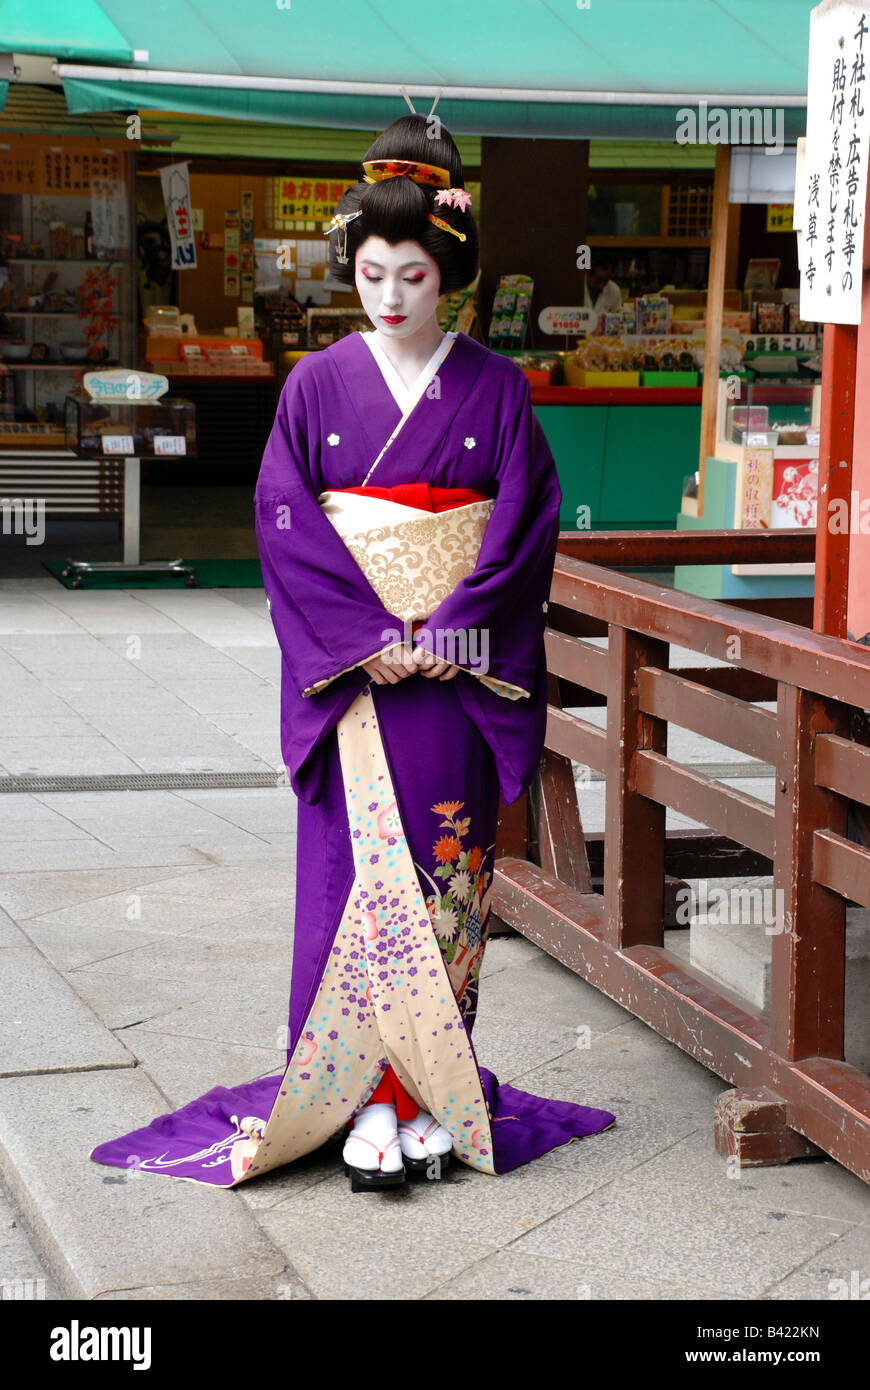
column 62, row 168
column 834, row 180
column 307, row 197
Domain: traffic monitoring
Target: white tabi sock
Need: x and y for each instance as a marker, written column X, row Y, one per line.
column 373, row 1142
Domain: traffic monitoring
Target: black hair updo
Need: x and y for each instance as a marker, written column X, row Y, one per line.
column 397, row 208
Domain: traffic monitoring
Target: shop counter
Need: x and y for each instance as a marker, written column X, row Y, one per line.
column 623, row 452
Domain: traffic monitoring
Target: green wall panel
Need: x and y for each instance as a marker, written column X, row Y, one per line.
column 625, row 462
column 650, row 450
column 577, row 436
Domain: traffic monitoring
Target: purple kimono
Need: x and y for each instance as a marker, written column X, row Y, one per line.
column 397, row 785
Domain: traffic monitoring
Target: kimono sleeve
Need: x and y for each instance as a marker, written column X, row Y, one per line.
column 498, row 612
column 327, row 618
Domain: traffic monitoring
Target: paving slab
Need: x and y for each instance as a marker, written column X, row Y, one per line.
column 112, row 611
column 70, row 946
column 141, row 907
column 42, row 889
column 193, row 959
column 63, row 757
column 505, row 1045
column 104, row 1230
column 515, row 1278
column 234, row 880
column 839, row 1273
column 24, row 614
column 279, row 1287
column 23, row 1276
column 369, row 1255
column 70, row 650
column 695, row 1240
column 629, row 1065
column 122, row 820
column 265, row 921
column 89, row 853
column 185, row 1067
column 251, row 808
column 10, row 933
column 809, row 1186
column 165, row 655
column 45, row 1026
column 122, row 1002
column 25, row 820
column 252, row 1013
column 294, row 1178
column 571, row 1003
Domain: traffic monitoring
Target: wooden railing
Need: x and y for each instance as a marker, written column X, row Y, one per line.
column 795, row 1093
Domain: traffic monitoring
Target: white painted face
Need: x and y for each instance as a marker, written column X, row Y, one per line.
column 399, row 285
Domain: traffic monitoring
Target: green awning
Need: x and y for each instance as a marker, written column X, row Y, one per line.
column 80, row 29
column 580, row 122
column 505, row 66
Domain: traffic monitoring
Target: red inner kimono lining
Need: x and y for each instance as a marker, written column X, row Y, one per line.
column 423, row 496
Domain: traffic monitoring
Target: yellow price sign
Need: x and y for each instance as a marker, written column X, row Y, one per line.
column 780, row 217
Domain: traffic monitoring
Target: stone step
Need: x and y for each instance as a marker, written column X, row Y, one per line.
column 108, row 1233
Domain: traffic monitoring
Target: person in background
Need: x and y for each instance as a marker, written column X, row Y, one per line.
column 602, row 294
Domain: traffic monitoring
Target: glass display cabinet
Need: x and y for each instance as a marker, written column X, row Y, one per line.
column 124, row 414
column 67, row 280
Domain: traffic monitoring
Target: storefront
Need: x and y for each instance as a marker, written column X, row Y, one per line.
column 67, row 291
column 620, row 400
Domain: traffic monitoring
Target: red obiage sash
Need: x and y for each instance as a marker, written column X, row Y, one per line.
column 425, row 498
column 422, row 495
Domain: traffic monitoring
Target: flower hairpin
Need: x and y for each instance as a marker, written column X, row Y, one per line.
column 454, row 197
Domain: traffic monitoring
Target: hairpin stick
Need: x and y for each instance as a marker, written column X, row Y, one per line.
column 445, row 226
column 404, row 91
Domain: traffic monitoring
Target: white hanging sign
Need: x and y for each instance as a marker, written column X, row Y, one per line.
column 832, row 186
column 176, row 196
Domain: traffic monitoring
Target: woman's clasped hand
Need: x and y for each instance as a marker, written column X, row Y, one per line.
column 397, row 662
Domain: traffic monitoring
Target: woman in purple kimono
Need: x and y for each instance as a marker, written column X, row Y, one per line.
column 407, row 514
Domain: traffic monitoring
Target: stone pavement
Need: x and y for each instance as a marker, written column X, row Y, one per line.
column 145, row 946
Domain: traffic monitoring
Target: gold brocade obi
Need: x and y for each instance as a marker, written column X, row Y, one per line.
column 413, row 559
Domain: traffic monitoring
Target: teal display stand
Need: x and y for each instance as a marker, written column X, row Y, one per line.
column 717, row 581
column 626, row 463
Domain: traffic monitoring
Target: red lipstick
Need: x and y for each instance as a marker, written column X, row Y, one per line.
column 394, row 318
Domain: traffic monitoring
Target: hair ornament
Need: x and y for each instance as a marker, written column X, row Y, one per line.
column 445, row 226
column 430, row 175
column 454, row 197
column 339, row 223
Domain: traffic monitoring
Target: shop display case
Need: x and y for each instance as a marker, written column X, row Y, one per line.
column 763, row 473
column 123, row 414
column 129, row 429
column 325, row 326
column 67, row 281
